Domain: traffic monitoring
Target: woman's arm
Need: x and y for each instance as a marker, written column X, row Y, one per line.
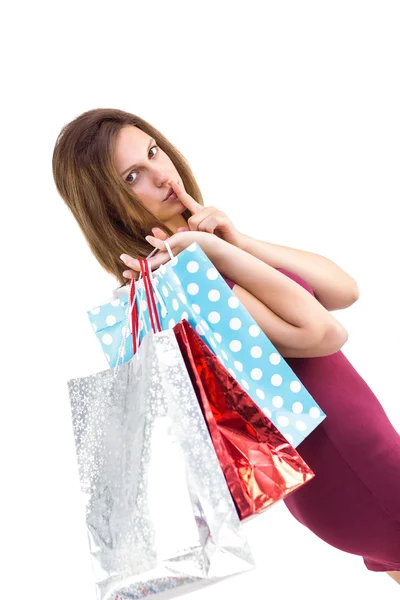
column 333, row 287
column 295, row 322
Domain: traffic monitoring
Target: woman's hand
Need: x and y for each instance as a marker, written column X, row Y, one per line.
column 207, row 218
column 177, row 242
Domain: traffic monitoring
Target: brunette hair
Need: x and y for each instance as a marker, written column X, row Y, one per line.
column 112, row 218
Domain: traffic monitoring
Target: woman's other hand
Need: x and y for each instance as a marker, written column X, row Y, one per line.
column 177, row 242
column 207, row 218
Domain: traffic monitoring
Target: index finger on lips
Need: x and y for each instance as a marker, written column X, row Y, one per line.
column 185, row 198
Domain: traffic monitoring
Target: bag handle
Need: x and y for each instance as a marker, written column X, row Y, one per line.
column 132, row 312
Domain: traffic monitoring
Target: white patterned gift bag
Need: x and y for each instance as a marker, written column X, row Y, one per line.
column 189, row 287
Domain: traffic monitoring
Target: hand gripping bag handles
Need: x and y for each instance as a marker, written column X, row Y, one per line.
column 159, row 515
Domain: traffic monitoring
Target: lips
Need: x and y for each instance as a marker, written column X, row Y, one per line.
column 170, row 191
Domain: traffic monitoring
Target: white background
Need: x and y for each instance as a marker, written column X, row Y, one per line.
column 288, row 113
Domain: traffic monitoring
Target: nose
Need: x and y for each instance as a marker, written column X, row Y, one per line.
column 160, row 176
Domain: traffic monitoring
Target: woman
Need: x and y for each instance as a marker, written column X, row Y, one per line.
column 129, row 189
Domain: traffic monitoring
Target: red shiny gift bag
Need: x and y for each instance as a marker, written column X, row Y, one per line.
column 259, row 464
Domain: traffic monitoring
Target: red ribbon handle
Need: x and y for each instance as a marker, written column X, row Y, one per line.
column 151, row 303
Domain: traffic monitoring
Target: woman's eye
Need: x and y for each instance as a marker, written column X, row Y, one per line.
column 152, row 148
column 127, row 179
column 130, row 181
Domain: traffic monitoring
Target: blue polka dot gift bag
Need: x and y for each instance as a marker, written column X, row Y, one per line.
column 189, row 287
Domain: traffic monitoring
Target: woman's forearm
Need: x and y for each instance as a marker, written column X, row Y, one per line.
column 279, row 293
column 333, row 287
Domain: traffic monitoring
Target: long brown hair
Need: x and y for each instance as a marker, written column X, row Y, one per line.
column 112, row 218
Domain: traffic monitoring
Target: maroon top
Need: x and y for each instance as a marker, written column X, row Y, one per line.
column 353, row 503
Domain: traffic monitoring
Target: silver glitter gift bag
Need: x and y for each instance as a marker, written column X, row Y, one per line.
column 159, row 515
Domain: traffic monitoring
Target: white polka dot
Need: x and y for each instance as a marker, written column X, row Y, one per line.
column 164, row 290
column 244, row 384
column 260, row 394
column 218, row 337
column 214, row 317
column 314, row 412
column 111, row 320
column 141, row 325
column 233, row 302
column 295, row 386
column 95, row 311
column 193, row 289
column 192, row 266
column 171, row 323
column 254, row 330
column 182, row 297
column 212, row 274
column 297, row 407
column 94, row 326
column 277, row 401
column 221, row 361
column 177, row 281
column 212, row 342
column 267, row 412
column 170, row 286
column 196, row 308
column 108, row 357
column 238, row 365
column 116, row 302
column 256, row 352
column 235, row 323
column 174, row 261
column 274, row 358
column 214, row 295
column 191, row 248
column 289, row 438
column 107, row 339
column 276, row 380
column 163, row 312
column 125, row 332
column 283, row 421
column 205, row 325
column 199, row 330
column 144, row 305
column 175, row 304
column 232, row 372
column 224, row 354
column 301, row 426
column 163, row 269
column 184, row 316
column 235, row 346
column 256, row 374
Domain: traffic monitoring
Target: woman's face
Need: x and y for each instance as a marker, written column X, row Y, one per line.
column 145, row 167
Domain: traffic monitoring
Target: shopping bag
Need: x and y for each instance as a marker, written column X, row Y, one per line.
column 159, row 515
column 259, row 464
column 189, row 287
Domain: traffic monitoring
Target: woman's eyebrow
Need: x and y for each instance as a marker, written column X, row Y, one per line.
column 134, row 166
